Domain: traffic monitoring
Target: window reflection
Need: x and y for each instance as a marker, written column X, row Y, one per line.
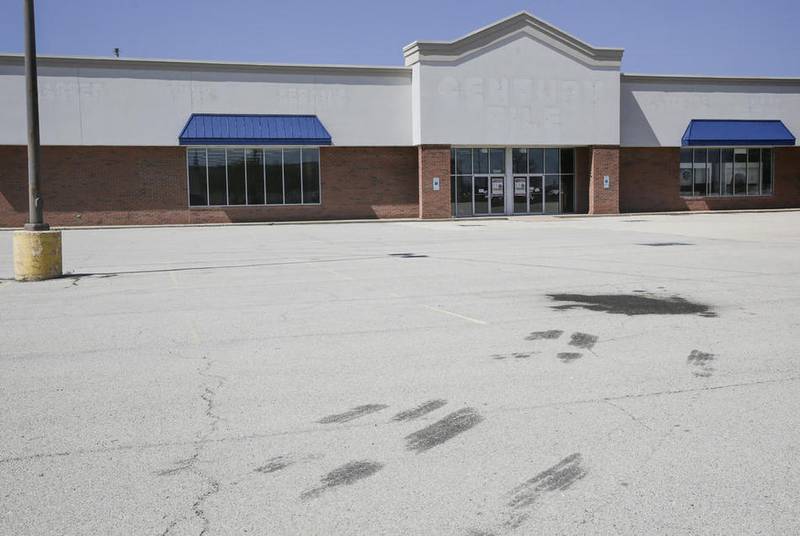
column 228, row 176
column 725, row 171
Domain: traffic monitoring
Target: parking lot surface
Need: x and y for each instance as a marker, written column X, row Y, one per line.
column 624, row 375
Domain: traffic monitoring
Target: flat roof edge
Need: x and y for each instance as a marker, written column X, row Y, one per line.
column 148, row 63
column 640, row 77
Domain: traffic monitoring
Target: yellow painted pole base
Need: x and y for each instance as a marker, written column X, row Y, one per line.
column 37, row 255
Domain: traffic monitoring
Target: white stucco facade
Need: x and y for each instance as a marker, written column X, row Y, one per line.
column 121, row 102
column 517, row 82
column 655, row 110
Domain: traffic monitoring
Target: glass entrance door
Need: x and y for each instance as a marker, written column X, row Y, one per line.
column 488, row 195
column 552, row 193
column 528, row 195
column 498, row 195
column 535, row 195
column 520, row 195
column 480, row 195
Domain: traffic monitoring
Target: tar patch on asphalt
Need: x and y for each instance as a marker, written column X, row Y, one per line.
column 701, row 361
column 568, row 357
column 632, row 304
column 583, row 340
column 549, row 334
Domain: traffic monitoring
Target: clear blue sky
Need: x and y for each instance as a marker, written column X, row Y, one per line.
column 729, row 37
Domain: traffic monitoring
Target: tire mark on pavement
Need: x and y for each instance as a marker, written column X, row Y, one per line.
column 419, row 411
column 354, row 413
column 443, row 430
column 267, row 435
column 275, row 464
column 344, row 475
column 522, row 498
column 559, row 477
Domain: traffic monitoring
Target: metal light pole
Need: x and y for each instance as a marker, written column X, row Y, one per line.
column 37, row 249
column 35, row 202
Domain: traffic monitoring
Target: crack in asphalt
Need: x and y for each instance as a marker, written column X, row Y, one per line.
column 214, row 382
column 252, row 437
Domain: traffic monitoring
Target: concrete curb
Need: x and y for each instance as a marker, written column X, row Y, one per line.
column 673, row 213
column 521, row 217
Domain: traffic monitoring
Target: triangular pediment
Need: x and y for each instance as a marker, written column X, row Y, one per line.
column 523, row 23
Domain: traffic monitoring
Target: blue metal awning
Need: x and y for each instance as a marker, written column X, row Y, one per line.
column 228, row 129
column 725, row 132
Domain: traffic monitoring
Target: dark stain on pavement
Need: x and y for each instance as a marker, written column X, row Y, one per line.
column 345, row 475
column 559, row 477
column 702, row 362
column 275, row 464
column 632, row 304
column 549, row 334
column 443, row 430
column 513, row 355
column 568, row 357
column 408, row 255
column 583, row 340
column 180, row 465
column 355, row 413
column 419, row 411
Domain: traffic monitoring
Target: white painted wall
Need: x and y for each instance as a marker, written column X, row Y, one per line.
column 519, row 92
column 655, row 113
column 133, row 106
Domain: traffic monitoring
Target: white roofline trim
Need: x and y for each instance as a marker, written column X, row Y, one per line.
column 144, row 63
column 439, row 51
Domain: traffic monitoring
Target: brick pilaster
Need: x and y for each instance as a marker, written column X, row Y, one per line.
column 605, row 162
column 434, row 161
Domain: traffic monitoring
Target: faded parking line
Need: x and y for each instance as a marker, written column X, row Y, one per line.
column 451, row 313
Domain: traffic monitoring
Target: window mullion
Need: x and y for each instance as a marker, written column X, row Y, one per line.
column 283, row 180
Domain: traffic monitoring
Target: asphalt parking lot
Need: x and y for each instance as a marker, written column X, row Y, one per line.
column 630, row 375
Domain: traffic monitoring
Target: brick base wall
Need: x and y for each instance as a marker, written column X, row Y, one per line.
column 651, row 183
column 148, row 185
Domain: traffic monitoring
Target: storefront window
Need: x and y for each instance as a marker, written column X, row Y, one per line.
column 725, row 171
column 236, row 176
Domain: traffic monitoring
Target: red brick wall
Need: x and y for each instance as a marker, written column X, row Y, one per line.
column 148, row 185
column 651, row 183
column 605, row 161
column 434, row 161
